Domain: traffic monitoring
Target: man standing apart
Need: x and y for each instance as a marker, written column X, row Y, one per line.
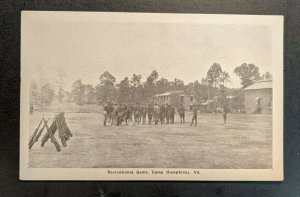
column 225, row 112
column 105, row 113
column 195, row 113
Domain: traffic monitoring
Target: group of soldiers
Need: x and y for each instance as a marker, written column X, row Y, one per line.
column 118, row 113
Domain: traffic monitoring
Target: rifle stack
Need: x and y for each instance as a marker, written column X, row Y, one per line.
column 59, row 124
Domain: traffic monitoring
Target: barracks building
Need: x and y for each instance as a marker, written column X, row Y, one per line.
column 258, row 98
column 175, row 98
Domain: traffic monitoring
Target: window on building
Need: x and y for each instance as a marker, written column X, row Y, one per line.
column 191, row 98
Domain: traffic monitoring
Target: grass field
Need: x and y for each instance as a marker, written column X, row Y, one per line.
column 244, row 143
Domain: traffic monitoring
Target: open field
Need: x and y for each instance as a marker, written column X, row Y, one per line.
column 244, row 143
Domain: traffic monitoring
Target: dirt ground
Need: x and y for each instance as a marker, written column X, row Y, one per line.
column 244, row 143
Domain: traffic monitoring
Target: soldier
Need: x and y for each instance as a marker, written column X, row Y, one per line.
column 137, row 115
column 225, row 112
column 114, row 113
column 129, row 114
column 172, row 114
column 121, row 115
column 167, row 111
column 150, row 113
column 105, row 113
column 162, row 114
column 181, row 112
column 195, row 113
column 156, row 113
column 144, row 113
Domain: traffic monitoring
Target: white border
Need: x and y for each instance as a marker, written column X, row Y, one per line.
column 274, row 174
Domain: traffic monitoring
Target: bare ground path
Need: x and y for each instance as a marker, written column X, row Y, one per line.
column 244, row 143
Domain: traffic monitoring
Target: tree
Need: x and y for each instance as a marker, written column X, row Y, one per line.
column 162, row 85
column 214, row 74
column 47, row 94
column 248, row 73
column 267, row 76
column 106, row 90
column 34, row 93
column 78, row 92
column 124, row 90
column 149, row 86
column 107, row 79
column 136, row 80
column 224, row 78
column 152, row 77
column 177, row 84
column 136, row 88
column 60, row 93
column 89, row 93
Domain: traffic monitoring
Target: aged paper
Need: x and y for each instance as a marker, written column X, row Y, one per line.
column 148, row 96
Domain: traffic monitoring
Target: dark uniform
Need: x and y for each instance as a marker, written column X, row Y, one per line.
column 156, row 113
column 137, row 113
column 168, row 113
column 195, row 113
column 114, row 112
column 105, row 113
column 162, row 114
column 172, row 114
column 181, row 112
column 150, row 113
column 225, row 112
column 144, row 113
column 121, row 114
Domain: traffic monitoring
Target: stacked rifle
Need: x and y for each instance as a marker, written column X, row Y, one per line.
column 59, row 124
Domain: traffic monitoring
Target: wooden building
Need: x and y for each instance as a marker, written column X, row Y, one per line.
column 258, row 98
column 175, row 98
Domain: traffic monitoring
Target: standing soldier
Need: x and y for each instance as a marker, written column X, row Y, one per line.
column 137, row 115
column 195, row 113
column 167, row 111
column 105, row 113
column 144, row 113
column 114, row 113
column 172, row 114
column 150, row 113
column 156, row 113
column 162, row 114
column 225, row 112
column 181, row 113
column 129, row 114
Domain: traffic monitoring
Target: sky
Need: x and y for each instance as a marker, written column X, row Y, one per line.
column 84, row 50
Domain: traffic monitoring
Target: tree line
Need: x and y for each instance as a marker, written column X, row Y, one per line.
column 133, row 90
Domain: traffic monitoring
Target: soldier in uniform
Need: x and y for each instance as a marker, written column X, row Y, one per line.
column 137, row 115
column 114, row 113
column 225, row 112
column 195, row 113
column 105, row 113
column 172, row 114
column 156, row 113
column 181, row 112
column 129, row 114
column 150, row 113
column 167, row 112
column 162, row 114
column 144, row 113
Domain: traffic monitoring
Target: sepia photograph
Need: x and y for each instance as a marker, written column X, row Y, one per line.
column 148, row 96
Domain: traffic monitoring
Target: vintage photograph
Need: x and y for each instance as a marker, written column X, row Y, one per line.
column 134, row 96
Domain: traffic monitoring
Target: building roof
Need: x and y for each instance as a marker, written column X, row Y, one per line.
column 169, row 93
column 260, row 85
